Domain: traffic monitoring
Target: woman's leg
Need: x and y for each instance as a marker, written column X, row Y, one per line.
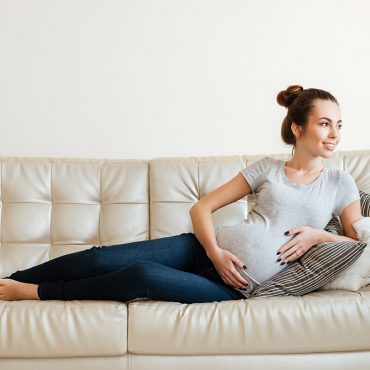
column 181, row 252
column 143, row 279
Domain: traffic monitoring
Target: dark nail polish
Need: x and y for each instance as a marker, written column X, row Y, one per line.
column 278, row 260
column 282, row 263
column 244, row 267
column 286, row 233
column 278, row 252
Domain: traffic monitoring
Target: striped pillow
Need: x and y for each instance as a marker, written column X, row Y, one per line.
column 365, row 203
column 319, row 265
column 334, row 226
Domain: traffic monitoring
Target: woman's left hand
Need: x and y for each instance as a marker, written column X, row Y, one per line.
column 306, row 238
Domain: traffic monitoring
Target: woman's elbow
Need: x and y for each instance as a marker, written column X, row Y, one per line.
column 200, row 207
column 192, row 209
column 197, row 206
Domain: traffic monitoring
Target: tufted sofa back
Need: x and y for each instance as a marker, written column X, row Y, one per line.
column 51, row 207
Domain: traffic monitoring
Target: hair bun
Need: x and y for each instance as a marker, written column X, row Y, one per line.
column 286, row 97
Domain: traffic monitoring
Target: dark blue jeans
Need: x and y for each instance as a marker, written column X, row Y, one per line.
column 174, row 268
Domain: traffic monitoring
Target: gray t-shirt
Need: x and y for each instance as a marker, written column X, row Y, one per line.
column 281, row 206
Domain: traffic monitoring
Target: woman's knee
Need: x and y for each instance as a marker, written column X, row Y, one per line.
column 94, row 259
column 147, row 271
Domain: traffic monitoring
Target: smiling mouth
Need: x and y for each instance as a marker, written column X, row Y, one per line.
column 330, row 146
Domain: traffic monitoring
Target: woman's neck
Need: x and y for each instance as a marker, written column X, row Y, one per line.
column 305, row 165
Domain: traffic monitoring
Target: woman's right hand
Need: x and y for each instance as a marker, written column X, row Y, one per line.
column 223, row 261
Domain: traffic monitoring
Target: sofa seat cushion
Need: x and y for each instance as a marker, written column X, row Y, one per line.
column 321, row 321
column 62, row 329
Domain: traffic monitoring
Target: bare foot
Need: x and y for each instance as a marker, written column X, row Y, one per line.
column 12, row 290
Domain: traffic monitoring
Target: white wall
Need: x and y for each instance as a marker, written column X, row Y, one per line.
column 153, row 78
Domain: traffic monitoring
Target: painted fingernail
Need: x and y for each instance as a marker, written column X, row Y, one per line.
column 244, row 267
column 278, row 260
column 278, row 252
column 286, row 233
column 282, row 263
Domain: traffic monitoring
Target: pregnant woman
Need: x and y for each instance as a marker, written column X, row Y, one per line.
column 295, row 200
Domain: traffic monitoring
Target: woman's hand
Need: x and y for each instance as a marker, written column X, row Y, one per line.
column 224, row 264
column 306, row 238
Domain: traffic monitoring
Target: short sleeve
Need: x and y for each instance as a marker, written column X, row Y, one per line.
column 347, row 193
column 255, row 173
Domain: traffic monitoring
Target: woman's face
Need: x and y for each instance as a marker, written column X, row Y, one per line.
column 323, row 126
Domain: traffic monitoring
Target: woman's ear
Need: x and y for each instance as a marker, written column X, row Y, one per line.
column 297, row 130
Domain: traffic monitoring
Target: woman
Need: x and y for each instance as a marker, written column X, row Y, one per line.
column 294, row 202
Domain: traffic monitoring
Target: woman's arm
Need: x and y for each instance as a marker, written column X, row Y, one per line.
column 325, row 236
column 203, row 228
column 310, row 236
column 201, row 218
column 200, row 213
column 349, row 216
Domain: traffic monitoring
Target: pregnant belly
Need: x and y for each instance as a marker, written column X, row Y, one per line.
column 255, row 248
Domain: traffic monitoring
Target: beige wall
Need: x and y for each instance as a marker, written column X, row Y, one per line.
column 144, row 79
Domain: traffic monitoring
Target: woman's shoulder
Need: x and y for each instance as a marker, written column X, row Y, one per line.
column 337, row 171
column 259, row 162
column 270, row 160
column 338, row 175
column 266, row 163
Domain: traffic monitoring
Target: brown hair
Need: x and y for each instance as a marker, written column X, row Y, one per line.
column 300, row 103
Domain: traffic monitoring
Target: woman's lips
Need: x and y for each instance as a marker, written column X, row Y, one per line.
column 329, row 147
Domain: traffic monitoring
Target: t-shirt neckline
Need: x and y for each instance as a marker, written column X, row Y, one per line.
column 286, row 179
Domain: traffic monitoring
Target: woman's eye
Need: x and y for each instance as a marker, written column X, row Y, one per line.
column 326, row 123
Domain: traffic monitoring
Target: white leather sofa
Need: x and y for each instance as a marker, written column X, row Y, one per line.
column 51, row 207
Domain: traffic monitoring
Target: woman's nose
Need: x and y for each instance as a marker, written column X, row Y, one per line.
column 334, row 133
